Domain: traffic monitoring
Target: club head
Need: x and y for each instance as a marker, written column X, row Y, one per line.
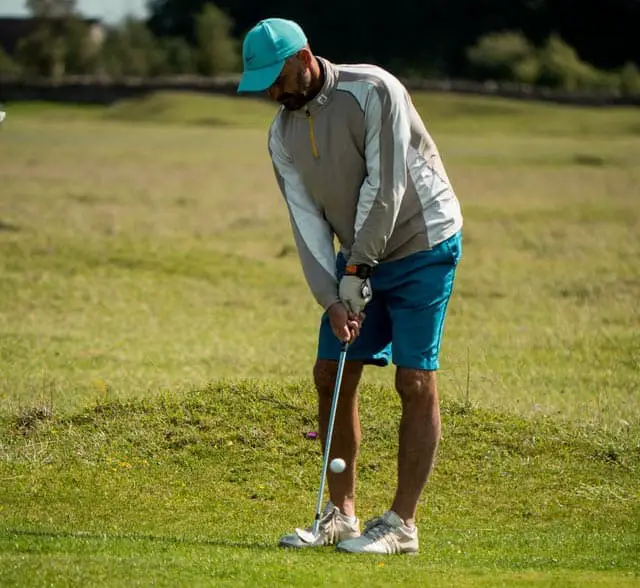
column 306, row 536
column 3, row 115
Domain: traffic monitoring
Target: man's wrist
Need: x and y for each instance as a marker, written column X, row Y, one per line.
column 333, row 303
column 361, row 270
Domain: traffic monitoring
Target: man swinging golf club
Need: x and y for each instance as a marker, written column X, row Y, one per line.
column 353, row 160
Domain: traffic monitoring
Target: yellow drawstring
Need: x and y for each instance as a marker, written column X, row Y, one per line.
column 312, row 136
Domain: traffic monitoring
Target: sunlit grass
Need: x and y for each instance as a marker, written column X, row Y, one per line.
column 156, row 256
column 157, row 339
column 196, row 488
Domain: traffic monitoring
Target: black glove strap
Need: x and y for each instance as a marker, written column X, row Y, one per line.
column 362, row 271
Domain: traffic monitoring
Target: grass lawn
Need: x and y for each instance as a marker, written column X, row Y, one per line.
column 157, row 338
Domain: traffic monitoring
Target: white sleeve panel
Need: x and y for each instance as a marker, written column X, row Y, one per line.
column 387, row 139
column 313, row 235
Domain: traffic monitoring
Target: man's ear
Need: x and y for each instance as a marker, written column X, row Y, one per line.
column 305, row 56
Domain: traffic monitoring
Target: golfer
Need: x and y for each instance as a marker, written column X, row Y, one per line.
column 354, row 161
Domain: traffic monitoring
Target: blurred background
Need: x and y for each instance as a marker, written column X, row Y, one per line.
column 560, row 45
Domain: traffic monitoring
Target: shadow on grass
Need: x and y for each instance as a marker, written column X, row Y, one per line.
column 8, row 227
column 202, row 542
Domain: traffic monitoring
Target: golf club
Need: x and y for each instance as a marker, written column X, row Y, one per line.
column 327, row 443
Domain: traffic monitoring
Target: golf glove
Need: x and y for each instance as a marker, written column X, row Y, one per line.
column 355, row 293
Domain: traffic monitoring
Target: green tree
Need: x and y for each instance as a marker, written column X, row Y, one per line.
column 51, row 8
column 217, row 49
column 81, row 51
column 8, row 67
column 42, row 53
column 61, row 43
column 132, row 50
column 179, row 56
column 504, row 56
column 630, row 80
column 561, row 67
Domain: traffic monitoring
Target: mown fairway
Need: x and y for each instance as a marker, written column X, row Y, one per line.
column 157, row 338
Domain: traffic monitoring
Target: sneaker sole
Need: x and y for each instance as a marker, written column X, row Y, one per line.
column 289, row 546
column 374, row 553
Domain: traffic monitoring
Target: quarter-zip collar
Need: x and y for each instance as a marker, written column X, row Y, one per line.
column 325, row 93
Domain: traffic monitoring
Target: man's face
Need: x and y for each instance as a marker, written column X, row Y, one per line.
column 292, row 85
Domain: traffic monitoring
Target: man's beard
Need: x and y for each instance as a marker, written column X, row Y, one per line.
column 296, row 100
column 293, row 101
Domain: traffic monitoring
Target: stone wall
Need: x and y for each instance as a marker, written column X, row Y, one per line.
column 96, row 91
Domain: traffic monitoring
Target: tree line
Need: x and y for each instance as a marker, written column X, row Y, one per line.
column 561, row 44
column 62, row 44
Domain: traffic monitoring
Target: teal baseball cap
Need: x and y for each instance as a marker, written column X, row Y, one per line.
column 264, row 50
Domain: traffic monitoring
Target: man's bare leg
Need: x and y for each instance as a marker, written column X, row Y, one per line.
column 345, row 442
column 419, row 436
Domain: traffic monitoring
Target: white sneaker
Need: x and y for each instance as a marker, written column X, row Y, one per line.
column 333, row 527
column 384, row 535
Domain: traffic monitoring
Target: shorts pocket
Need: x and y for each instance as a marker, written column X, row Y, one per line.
column 454, row 244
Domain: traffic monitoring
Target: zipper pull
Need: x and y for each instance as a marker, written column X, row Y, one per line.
column 312, row 135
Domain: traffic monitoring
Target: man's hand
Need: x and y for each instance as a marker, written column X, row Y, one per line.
column 355, row 293
column 344, row 324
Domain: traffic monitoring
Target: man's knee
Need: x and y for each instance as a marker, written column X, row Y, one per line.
column 324, row 376
column 324, row 373
column 412, row 384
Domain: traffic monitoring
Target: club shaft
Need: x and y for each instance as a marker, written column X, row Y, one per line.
column 327, row 442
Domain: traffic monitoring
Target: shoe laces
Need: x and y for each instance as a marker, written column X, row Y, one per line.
column 377, row 528
column 328, row 520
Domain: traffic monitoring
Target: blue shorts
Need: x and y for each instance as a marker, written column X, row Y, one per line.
column 405, row 318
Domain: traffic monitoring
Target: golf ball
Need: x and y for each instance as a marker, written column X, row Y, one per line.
column 337, row 465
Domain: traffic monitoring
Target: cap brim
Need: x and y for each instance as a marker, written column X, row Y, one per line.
column 258, row 80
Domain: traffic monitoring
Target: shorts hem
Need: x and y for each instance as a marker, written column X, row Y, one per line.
column 428, row 366
column 365, row 360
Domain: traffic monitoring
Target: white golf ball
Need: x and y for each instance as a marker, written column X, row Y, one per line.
column 337, row 465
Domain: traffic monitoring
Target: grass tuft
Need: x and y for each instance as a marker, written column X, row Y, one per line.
column 165, row 474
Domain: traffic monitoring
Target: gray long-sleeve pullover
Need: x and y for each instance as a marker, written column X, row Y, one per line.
column 358, row 163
